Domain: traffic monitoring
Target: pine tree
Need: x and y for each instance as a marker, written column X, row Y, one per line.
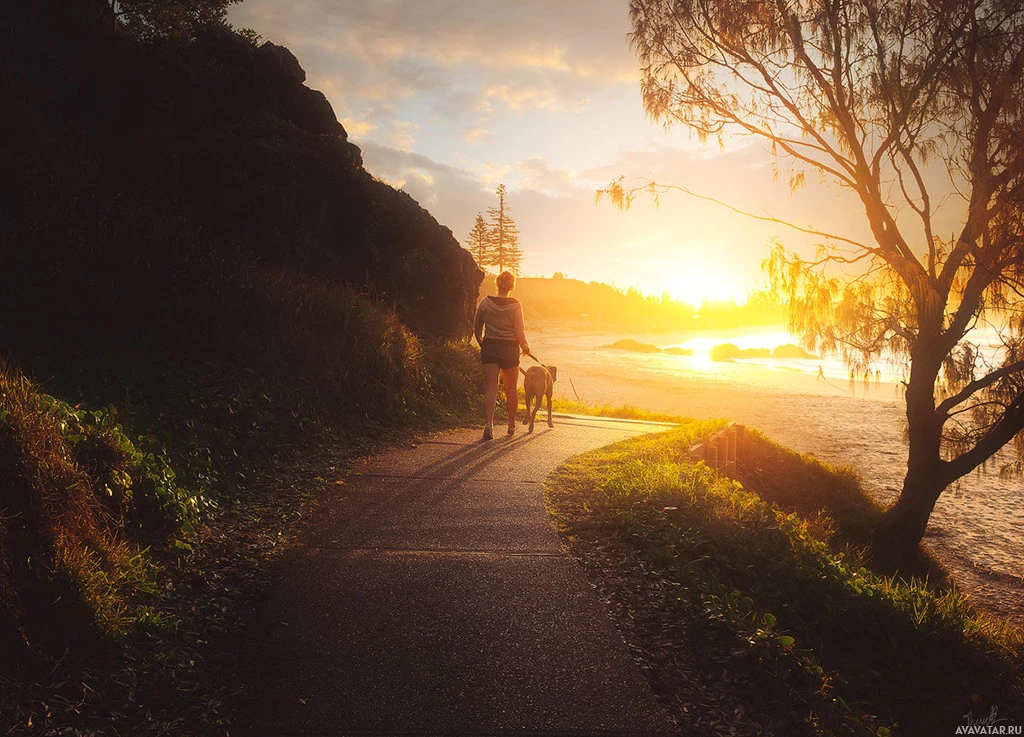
column 506, row 253
column 478, row 242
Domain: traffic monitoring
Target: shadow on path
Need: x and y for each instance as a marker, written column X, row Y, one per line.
column 432, row 597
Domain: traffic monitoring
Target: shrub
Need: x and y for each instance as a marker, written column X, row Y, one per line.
column 77, row 499
column 134, row 481
column 454, row 377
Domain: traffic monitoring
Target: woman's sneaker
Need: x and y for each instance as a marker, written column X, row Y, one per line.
column 488, row 432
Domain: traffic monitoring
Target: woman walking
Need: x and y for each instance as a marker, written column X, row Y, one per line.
column 500, row 343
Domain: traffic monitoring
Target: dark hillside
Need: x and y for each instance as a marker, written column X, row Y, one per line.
column 188, row 233
column 207, row 306
column 219, row 138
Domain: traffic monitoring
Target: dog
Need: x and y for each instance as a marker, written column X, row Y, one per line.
column 538, row 382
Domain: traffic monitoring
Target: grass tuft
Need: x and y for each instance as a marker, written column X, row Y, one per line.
column 625, row 412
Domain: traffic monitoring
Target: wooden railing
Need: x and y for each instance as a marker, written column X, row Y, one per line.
column 722, row 449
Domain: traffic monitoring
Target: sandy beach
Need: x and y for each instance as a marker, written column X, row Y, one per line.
column 977, row 528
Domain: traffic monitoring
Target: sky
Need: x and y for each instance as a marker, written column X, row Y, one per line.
column 448, row 98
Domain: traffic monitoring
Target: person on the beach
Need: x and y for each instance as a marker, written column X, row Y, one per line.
column 500, row 343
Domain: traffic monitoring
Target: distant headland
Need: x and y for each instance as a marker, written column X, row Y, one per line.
column 587, row 305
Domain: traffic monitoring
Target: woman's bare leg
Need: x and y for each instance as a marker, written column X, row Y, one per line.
column 510, row 377
column 490, row 391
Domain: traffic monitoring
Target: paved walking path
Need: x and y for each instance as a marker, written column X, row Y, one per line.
column 432, row 597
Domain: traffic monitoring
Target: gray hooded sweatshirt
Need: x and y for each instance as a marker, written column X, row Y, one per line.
column 503, row 318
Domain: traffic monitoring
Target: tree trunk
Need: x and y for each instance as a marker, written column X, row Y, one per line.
column 903, row 526
column 898, row 536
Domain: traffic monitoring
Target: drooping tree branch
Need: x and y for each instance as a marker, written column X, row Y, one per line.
column 946, row 405
column 622, row 197
column 1002, row 432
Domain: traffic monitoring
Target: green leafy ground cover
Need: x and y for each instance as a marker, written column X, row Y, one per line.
column 761, row 613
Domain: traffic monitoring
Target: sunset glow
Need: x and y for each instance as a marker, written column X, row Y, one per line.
column 545, row 98
column 648, row 367
column 693, row 274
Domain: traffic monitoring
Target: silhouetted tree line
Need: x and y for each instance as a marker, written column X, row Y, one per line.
column 589, row 304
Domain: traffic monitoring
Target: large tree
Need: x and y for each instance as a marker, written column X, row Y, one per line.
column 506, row 253
column 878, row 96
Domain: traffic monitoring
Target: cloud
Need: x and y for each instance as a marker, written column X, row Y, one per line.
column 358, row 128
column 476, row 135
column 555, row 217
column 532, row 54
column 524, row 97
column 562, row 229
column 538, row 174
column 451, row 194
column 402, row 135
column 541, row 96
column 492, row 174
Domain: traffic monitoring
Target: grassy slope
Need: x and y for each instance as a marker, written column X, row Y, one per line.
column 146, row 600
column 759, row 613
column 626, row 412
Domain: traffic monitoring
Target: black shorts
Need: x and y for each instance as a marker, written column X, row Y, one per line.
column 505, row 353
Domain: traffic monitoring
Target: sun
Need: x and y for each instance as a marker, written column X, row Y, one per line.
column 689, row 269
column 697, row 280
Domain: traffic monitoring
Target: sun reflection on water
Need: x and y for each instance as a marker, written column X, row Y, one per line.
column 829, row 368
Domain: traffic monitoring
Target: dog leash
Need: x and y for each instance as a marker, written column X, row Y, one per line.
column 538, row 361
